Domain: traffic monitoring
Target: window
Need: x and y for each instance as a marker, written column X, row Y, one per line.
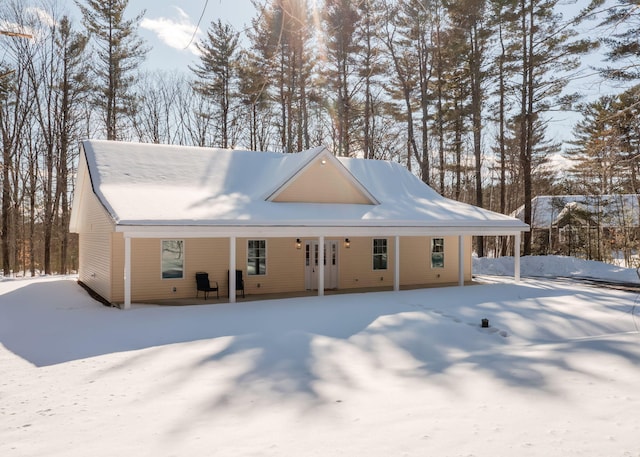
column 379, row 254
column 172, row 259
column 437, row 253
column 256, row 257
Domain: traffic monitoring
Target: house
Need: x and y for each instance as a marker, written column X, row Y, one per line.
column 150, row 216
column 584, row 225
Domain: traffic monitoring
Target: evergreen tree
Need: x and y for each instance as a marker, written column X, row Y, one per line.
column 341, row 20
column 595, row 147
column 369, row 70
column 282, row 38
column 548, row 52
column 623, row 19
column 471, row 15
column 217, row 72
column 119, row 52
column 402, row 59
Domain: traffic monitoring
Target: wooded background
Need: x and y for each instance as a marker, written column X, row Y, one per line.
column 460, row 92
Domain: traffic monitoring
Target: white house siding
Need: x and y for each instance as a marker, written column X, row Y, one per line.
column 95, row 232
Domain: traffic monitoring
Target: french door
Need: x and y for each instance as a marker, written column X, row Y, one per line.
column 312, row 258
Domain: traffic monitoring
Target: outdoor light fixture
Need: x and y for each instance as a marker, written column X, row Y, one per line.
column 298, row 245
column 323, row 161
column 347, row 243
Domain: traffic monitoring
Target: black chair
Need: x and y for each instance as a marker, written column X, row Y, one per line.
column 239, row 282
column 202, row 284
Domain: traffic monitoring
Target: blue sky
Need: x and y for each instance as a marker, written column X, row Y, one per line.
column 168, row 27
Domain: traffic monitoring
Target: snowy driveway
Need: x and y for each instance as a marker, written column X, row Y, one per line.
column 378, row 374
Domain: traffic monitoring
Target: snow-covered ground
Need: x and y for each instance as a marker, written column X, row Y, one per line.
column 555, row 267
column 410, row 373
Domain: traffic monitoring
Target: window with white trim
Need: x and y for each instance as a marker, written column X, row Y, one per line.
column 437, row 252
column 172, row 259
column 256, row 257
column 379, row 253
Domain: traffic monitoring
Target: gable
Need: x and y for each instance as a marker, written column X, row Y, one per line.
column 87, row 212
column 323, row 180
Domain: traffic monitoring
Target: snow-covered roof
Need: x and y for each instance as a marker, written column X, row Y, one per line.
column 146, row 185
column 611, row 210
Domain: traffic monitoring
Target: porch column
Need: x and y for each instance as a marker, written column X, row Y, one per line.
column 321, row 266
column 460, row 260
column 396, row 276
column 127, row 272
column 232, row 269
column 516, row 257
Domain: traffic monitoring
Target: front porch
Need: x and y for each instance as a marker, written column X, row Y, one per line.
column 351, row 264
column 190, row 301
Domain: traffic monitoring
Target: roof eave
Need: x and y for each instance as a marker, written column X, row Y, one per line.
column 312, row 230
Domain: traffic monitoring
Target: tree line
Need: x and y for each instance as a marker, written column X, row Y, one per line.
column 460, row 92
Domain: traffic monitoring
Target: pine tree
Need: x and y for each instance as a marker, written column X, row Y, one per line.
column 217, row 72
column 369, row 70
column 548, row 52
column 341, row 20
column 281, row 37
column 471, row 17
column 119, row 52
column 594, row 151
column 623, row 19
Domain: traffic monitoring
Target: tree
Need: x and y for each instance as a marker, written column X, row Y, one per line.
column 596, row 143
column 72, row 87
column 369, row 68
column 547, row 54
column 623, row 42
column 341, row 20
column 403, row 61
column 58, row 78
column 119, row 52
column 281, row 37
column 503, row 70
column 217, row 72
column 470, row 16
column 16, row 104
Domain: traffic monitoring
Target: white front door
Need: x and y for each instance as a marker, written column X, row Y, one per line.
column 312, row 256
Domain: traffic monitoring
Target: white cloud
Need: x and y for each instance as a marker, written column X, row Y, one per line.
column 42, row 16
column 37, row 22
column 174, row 32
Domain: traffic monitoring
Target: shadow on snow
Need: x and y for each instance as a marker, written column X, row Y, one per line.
column 294, row 345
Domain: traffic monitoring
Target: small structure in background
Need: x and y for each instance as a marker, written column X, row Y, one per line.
column 592, row 227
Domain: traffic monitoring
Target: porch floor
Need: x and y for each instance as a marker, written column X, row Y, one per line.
column 211, row 300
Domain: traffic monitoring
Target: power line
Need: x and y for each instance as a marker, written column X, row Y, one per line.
column 195, row 31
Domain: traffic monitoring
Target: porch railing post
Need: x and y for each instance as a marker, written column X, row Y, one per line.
column 396, row 276
column 460, row 260
column 127, row 272
column 232, row 269
column 321, row 266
